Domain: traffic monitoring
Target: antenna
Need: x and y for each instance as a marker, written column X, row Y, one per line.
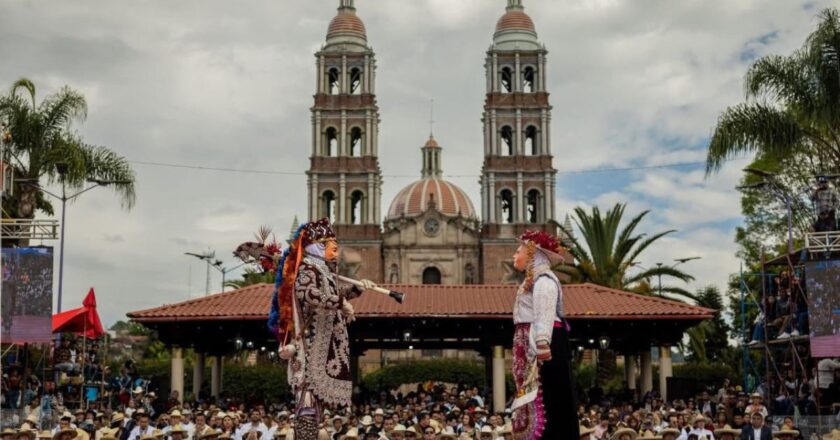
column 431, row 117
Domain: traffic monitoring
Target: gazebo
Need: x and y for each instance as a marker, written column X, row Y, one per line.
column 465, row 317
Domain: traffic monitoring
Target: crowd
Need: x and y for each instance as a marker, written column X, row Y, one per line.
column 431, row 412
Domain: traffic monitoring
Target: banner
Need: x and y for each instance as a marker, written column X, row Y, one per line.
column 822, row 281
column 26, row 309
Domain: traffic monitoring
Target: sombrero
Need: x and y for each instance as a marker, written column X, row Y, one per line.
column 631, row 432
column 726, row 430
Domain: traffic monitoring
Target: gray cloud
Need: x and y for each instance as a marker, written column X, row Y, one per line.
column 229, row 84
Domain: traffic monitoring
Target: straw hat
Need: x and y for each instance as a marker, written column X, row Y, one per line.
column 785, row 431
column 726, row 430
column 379, row 412
column 631, row 432
column 117, row 417
column 672, row 431
column 212, row 433
column 27, row 432
column 149, row 437
column 411, row 430
column 7, row 431
column 447, row 433
column 649, row 435
column 399, row 428
column 367, row 420
column 175, row 413
column 70, row 431
column 45, row 434
column 699, row 418
column 158, row 433
column 177, row 429
column 352, row 434
column 109, row 434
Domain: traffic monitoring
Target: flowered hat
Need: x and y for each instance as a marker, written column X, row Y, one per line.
column 546, row 243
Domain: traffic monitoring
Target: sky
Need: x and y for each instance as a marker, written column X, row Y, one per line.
column 212, row 83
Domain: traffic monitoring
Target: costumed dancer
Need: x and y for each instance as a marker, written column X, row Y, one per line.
column 310, row 313
column 544, row 404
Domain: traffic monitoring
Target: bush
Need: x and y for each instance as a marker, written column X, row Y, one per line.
column 708, row 373
column 438, row 370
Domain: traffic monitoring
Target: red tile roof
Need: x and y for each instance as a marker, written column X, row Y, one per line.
column 582, row 301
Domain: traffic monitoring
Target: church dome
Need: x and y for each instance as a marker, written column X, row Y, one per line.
column 417, row 197
column 515, row 20
column 346, row 22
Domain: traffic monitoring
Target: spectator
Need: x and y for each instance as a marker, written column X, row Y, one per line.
column 756, row 430
column 825, row 206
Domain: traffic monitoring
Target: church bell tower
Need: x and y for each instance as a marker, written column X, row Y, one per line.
column 344, row 179
column 517, row 179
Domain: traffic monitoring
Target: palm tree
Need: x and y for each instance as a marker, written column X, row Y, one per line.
column 38, row 137
column 607, row 256
column 792, row 108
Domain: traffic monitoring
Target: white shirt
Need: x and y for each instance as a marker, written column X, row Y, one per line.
column 248, row 427
column 756, row 433
column 540, row 307
column 825, row 370
column 700, row 433
column 136, row 433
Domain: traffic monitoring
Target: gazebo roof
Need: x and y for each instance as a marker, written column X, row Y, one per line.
column 581, row 301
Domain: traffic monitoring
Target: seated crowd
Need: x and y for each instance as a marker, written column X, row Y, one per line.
column 429, row 413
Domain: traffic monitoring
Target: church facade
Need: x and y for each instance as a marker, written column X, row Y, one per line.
column 431, row 232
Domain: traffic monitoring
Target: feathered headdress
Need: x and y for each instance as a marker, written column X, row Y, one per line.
column 280, row 319
column 546, row 243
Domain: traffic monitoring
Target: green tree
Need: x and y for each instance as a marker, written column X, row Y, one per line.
column 709, row 339
column 37, row 137
column 251, row 277
column 791, row 119
column 608, row 255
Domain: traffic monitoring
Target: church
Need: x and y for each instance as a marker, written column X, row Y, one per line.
column 431, row 232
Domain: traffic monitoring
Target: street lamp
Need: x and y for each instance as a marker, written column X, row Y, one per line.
column 62, row 169
column 218, row 266
column 207, row 257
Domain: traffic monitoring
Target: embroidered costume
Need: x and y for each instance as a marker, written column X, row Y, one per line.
column 544, row 406
column 310, row 313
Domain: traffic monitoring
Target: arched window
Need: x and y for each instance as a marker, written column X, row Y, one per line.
column 355, row 81
column 469, row 274
column 506, row 136
column 394, row 274
column 528, row 77
column 356, row 142
column 506, row 199
column 431, row 275
column 328, row 205
column 531, row 141
column 533, row 208
column 331, row 142
column 333, row 86
column 506, row 80
column 356, row 207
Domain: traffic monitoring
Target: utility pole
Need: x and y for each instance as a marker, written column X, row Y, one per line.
column 208, row 258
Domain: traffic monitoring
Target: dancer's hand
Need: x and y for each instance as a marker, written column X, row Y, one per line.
column 367, row 284
column 543, row 352
column 347, row 310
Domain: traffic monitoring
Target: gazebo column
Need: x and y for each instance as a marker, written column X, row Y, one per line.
column 499, row 398
column 177, row 372
column 665, row 369
column 216, row 376
column 630, row 371
column 647, row 371
column 198, row 373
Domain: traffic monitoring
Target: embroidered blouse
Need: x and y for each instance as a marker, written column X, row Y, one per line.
column 540, row 307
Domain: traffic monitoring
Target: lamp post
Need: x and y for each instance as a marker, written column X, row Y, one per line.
column 208, row 258
column 678, row 262
column 62, row 169
column 225, row 270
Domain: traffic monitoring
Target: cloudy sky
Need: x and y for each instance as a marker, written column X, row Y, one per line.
column 228, row 84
